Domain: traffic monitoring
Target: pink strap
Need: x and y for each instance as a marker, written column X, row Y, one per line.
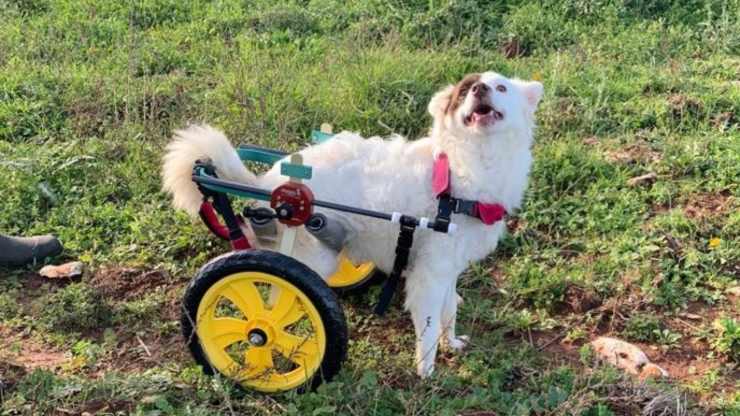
column 490, row 213
column 441, row 175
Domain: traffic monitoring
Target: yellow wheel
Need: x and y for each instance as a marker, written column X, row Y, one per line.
column 350, row 278
column 265, row 321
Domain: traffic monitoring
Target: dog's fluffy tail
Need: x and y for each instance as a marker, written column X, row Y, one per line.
column 194, row 143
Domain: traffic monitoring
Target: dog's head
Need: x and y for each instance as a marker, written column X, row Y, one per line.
column 485, row 105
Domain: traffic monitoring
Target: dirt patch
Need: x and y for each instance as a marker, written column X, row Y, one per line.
column 34, row 281
column 723, row 121
column 107, row 406
column 42, row 359
column 705, row 205
column 128, row 283
column 659, row 209
column 636, row 153
column 554, row 344
column 10, row 375
column 392, row 326
column 686, row 362
column 591, row 141
column 682, row 106
column 22, row 350
column 138, row 353
column 578, row 299
column 96, row 407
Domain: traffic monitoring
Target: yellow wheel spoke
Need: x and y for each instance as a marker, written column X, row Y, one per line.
column 258, row 361
column 224, row 331
column 245, row 296
column 295, row 348
column 287, row 309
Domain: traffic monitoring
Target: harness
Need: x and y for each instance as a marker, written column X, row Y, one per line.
column 488, row 214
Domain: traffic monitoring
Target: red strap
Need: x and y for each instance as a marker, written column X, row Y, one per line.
column 490, row 213
column 208, row 214
column 240, row 243
column 441, row 175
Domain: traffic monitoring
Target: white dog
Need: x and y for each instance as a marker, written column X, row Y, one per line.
column 484, row 125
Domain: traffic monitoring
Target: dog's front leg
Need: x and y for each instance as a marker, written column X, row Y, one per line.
column 425, row 300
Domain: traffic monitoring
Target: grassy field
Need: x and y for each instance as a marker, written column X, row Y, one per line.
column 90, row 92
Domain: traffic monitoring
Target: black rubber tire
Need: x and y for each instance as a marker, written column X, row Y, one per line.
column 294, row 272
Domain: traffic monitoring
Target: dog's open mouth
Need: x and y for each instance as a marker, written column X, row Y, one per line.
column 483, row 114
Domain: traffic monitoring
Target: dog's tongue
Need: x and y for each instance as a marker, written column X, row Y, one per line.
column 482, row 117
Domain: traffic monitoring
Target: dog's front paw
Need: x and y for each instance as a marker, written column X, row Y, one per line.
column 458, row 343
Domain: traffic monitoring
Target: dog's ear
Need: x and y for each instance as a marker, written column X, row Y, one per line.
column 532, row 91
column 440, row 101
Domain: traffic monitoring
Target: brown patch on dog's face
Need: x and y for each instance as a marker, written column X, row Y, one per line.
column 460, row 92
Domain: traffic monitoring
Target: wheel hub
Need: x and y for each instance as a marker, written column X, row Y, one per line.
column 260, row 332
column 257, row 337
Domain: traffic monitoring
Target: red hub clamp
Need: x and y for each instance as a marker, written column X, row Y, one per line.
column 293, row 203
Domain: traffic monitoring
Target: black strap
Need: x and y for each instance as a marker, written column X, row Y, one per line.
column 222, row 204
column 403, row 248
column 448, row 206
column 465, row 206
column 444, row 211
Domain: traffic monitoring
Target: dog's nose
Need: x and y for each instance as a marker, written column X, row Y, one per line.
column 479, row 89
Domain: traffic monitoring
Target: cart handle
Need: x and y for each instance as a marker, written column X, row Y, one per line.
column 259, row 154
column 270, row 157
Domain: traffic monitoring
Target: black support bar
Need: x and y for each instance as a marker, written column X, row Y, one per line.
column 264, row 194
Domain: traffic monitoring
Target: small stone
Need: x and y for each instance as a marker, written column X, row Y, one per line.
column 66, row 270
column 691, row 316
column 627, row 357
column 621, row 354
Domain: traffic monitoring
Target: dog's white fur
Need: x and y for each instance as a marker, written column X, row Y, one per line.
column 489, row 161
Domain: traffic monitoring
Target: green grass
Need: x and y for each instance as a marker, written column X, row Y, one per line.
column 90, row 92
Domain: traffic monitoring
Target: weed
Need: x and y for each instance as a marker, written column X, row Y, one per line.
column 75, row 307
column 726, row 340
column 642, row 327
column 667, row 338
column 9, row 307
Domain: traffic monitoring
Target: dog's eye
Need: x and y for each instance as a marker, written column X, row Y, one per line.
column 463, row 93
column 501, row 88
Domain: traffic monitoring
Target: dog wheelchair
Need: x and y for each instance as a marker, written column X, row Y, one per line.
column 262, row 318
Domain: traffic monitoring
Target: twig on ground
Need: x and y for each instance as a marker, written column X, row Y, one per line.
column 146, row 349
